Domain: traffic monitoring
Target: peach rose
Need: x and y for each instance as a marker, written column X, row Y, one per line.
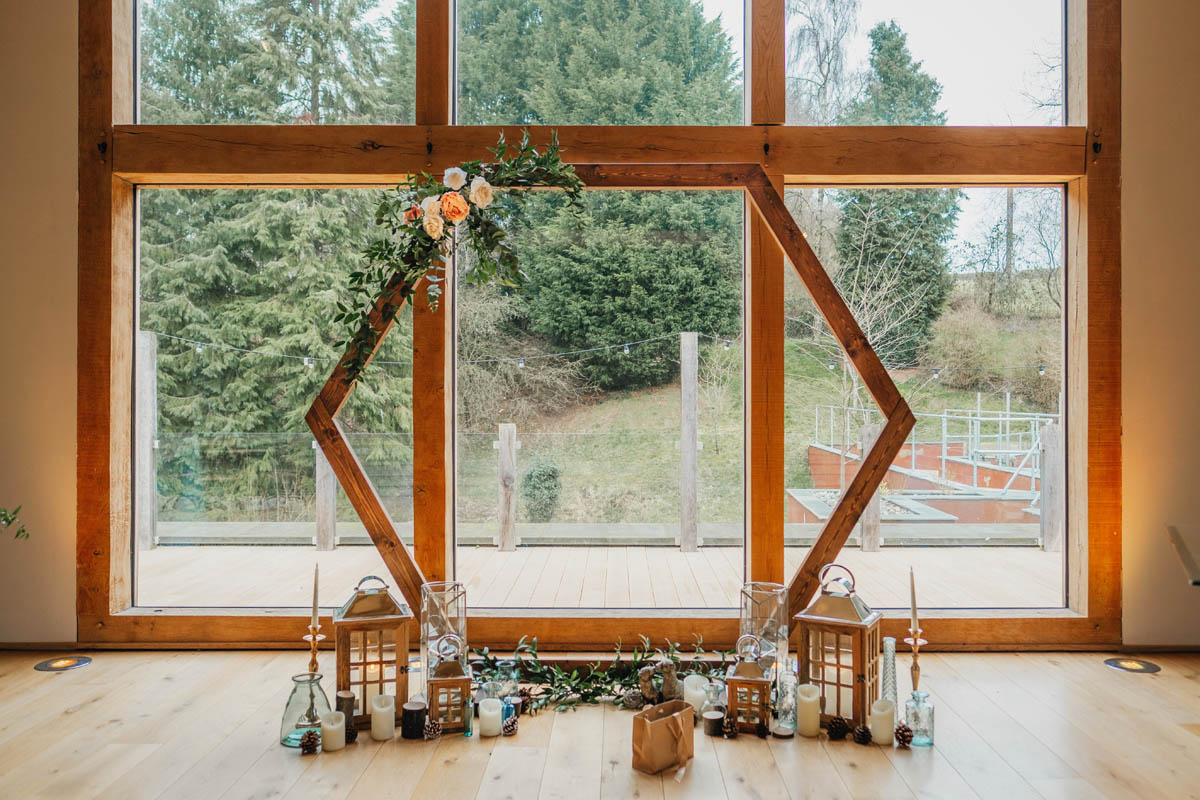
column 434, row 226
column 431, row 206
column 454, row 207
column 412, row 213
column 481, row 192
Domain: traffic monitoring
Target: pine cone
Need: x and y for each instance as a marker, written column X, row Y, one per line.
column 510, row 726
column 761, row 730
column 837, row 728
column 904, row 735
column 351, row 732
column 632, row 699
column 526, row 700
column 433, row 729
column 862, row 734
column 309, row 742
column 729, row 727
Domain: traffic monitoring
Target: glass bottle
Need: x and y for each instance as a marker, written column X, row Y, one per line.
column 508, row 675
column 712, row 697
column 785, row 699
column 888, row 677
column 305, row 707
column 919, row 717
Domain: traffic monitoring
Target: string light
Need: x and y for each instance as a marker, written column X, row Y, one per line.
column 308, row 362
column 626, row 349
column 937, row 373
column 1041, row 370
column 521, row 362
column 199, row 347
column 726, row 344
column 831, row 363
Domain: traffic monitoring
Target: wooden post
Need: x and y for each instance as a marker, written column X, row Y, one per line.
column 326, row 502
column 689, row 365
column 507, row 445
column 868, row 523
column 1053, row 486
column 145, row 445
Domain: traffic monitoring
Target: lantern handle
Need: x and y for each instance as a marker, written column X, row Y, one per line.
column 371, row 578
column 753, row 648
column 821, row 576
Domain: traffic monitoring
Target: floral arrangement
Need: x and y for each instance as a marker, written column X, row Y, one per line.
column 9, row 518
column 425, row 218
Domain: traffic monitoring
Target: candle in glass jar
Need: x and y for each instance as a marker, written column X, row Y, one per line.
column 883, row 721
column 491, row 713
column 372, row 684
column 383, row 717
column 808, row 710
column 333, row 731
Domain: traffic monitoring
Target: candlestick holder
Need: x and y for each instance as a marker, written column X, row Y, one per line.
column 919, row 708
column 915, row 641
column 314, row 637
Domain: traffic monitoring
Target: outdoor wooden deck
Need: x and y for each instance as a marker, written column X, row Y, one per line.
column 595, row 577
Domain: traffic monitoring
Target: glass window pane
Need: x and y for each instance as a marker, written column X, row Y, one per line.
column 236, row 288
column 960, row 294
column 276, row 62
column 584, row 364
column 925, row 62
column 600, row 62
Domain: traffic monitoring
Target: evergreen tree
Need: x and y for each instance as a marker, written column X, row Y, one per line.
column 894, row 241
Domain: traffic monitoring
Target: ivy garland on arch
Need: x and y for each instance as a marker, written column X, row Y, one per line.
column 473, row 204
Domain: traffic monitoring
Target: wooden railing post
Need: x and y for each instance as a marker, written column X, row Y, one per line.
column 145, row 444
column 868, row 523
column 1053, row 485
column 326, row 501
column 689, row 363
column 507, row 445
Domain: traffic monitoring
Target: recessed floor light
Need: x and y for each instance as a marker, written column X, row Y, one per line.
column 63, row 664
column 1132, row 665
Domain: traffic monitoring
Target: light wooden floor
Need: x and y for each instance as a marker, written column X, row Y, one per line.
column 205, row 725
column 597, row 577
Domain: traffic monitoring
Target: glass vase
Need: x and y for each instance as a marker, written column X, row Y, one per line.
column 764, row 616
column 785, row 699
column 305, row 707
column 712, row 697
column 508, row 674
column 888, row 671
column 919, row 717
column 443, row 632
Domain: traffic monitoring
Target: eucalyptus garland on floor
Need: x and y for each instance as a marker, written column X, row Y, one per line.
column 424, row 219
column 553, row 686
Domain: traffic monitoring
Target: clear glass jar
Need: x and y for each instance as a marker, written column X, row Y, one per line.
column 785, row 699
column 305, row 706
column 712, row 697
column 888, row 671
column 443, row 631
column 919, row 717
column 764, row 616
column 509, row 674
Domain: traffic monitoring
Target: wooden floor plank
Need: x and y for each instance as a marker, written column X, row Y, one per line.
column 618, row 780
column 807, row 771
column 573, row 767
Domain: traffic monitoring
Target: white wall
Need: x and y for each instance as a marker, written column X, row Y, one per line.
column 1161, row 314
column 37, row 315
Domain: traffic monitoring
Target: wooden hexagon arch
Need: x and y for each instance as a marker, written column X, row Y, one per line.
column 768, row 201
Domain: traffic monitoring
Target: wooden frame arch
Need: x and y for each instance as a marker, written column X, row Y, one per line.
column 768, row 201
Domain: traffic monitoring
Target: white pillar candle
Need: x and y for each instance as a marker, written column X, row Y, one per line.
column 491, row 712
column 693, row 692
column 808, row 710
column 333, row 731
column 383, row 717
column 883, row 721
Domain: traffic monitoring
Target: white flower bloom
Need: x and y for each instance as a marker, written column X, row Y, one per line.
column 454, row 178
column 431, row 206
column 435, row 226
column 481, row 192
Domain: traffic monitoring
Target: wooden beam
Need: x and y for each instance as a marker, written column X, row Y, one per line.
column 766, row 75
column 433, row 432
column 379, row 155
column 434, row 62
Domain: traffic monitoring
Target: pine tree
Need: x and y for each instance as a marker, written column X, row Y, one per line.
column 894, row 241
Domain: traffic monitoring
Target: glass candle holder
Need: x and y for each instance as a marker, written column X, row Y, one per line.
column 305, row 707
column 888, row 670
column 764, row 615
column 919, row 716
column 509, row 674
column 785, row 699
column 443, row 631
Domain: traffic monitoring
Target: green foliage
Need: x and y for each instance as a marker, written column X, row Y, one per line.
column 541, row 485
column 9, row 518
column 892, row 243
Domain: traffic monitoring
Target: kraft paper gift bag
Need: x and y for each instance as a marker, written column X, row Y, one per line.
column 662, row 736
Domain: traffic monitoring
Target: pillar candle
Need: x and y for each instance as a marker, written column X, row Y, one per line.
column 333, row 731
column 883, row 721
column 345, row 703
column 383, row 717
column 371, row 678
column 491, row 712
column 412, row 720
column 714, row 722
column 808, row 710
column 694, row 693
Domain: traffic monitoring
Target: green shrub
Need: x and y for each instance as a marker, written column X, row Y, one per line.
column 541, row 486
column 963, row 344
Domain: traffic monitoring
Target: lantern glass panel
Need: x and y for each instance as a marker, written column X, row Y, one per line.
column 764, row 615
column 443, row 631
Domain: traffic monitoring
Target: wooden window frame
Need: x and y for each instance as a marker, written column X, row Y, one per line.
column 115, row 156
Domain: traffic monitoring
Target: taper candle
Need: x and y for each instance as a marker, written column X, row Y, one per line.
column 333, row 731
column 912, row 586
column 383, row 717
column 883, row 721
column 316, row 578
column 808, row 710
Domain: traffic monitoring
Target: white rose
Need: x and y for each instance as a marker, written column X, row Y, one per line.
column 435, row 226
column 454, row 178
column 481, row 192
column 431, row 206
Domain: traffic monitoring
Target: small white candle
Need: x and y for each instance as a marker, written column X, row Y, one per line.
column 693, row 692
column 333, row 731
column 316, row 576
column 883, row 721
column 383, row 717
column 808, row 710
column 491, row 712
